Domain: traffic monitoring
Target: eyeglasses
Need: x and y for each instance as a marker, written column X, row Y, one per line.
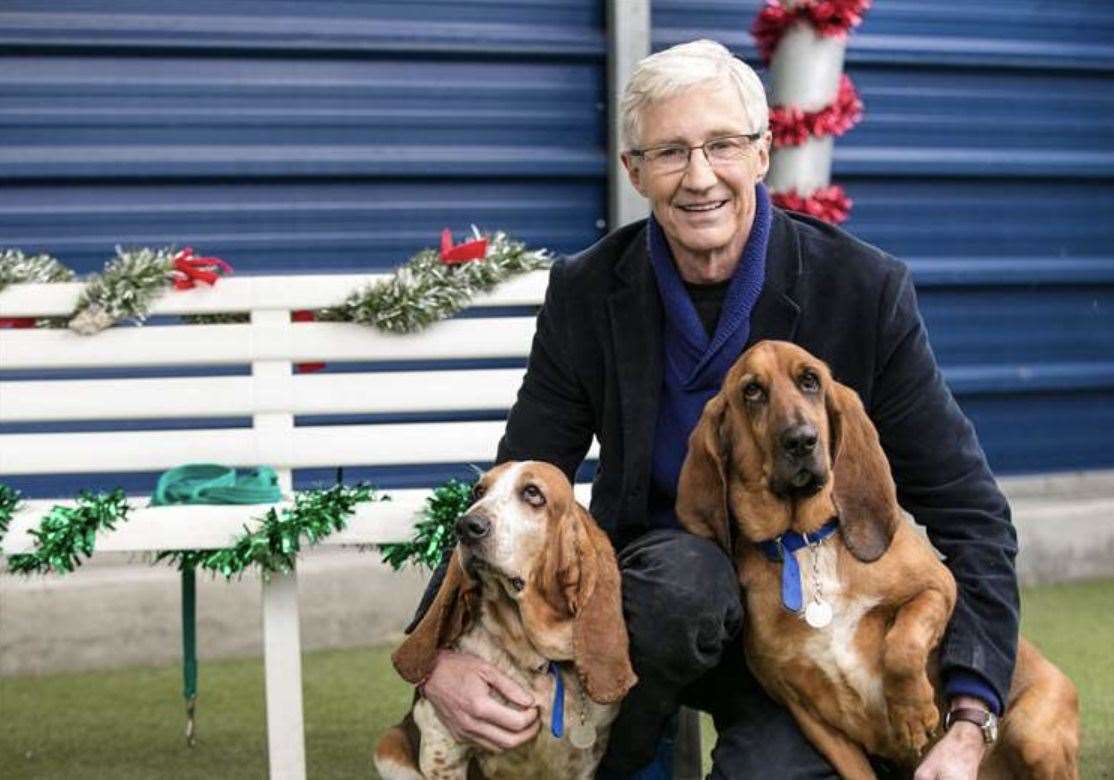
column 674, row 158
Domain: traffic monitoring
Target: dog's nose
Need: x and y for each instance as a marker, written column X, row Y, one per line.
column 472, row 528
column 799, row 440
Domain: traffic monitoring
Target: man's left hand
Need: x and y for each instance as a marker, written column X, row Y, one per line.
column 957, row 755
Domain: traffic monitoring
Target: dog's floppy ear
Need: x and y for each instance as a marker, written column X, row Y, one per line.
column 864, row 489
column 702, row 487
column 601, row 649
column 446, row 619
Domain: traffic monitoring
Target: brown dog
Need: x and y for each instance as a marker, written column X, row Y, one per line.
column 532, row 588
column 785, row 448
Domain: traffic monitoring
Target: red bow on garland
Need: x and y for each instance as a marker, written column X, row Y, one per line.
column 461, row 253
column 189, row 269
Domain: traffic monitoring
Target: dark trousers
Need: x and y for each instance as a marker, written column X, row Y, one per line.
column 684, row 614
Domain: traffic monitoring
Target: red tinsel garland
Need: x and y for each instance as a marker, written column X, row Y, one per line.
column 830, row 204
column 791, row 126
column 831, row 18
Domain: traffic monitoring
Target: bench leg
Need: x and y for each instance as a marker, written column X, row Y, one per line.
column 688, row 758
column 282, row 655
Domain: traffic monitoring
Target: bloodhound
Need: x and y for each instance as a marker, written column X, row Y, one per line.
column 844, row 633
column 532, row 588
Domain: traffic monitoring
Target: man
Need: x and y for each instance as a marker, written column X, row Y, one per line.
column 637, row 333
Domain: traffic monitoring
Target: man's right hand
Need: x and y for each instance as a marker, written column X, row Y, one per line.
column 460, row 689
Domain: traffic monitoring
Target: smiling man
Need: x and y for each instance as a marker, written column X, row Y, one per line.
column 637, row 333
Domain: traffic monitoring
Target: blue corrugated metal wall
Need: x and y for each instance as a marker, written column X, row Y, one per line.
column 342, row 136
column 985, row 161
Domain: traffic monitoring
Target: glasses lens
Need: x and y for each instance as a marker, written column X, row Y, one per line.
column 726, row 149
column 666, row 159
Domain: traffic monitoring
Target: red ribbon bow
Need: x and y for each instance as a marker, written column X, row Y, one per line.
column 190, row 269
column 461, row 253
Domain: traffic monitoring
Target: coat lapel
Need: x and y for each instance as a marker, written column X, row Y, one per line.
column 776, row 313
column 636, row 316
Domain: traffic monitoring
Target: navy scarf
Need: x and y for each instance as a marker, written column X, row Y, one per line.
column 695, row 364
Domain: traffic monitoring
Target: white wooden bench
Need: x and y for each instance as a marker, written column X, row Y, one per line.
column 271, row 395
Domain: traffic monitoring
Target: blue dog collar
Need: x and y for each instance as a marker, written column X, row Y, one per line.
column 557, row 720
column 782, row 548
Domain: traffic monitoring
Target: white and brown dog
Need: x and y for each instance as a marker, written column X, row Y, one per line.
column 532, row 588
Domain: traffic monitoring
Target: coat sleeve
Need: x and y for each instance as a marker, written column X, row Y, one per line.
column 551, row 420
column 944, row 481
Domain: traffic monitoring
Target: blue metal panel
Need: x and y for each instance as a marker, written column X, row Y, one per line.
column 985, row 162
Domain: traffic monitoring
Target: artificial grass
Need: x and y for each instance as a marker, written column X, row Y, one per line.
column 129, row 723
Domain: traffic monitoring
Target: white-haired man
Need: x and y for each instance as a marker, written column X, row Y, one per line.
column 637, row 333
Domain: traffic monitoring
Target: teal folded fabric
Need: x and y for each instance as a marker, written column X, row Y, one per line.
column 210, row 483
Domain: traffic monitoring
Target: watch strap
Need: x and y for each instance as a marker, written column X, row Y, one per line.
column 980, row 717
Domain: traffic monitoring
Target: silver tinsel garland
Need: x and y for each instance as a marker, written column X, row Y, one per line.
column 427, row 290
column 18, row 268
column 126, row 288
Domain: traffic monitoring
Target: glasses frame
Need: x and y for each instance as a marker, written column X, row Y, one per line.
column 641, row 153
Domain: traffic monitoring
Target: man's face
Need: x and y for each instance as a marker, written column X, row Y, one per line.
column 706, row 212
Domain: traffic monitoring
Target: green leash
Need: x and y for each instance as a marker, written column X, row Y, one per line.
column 207, row 483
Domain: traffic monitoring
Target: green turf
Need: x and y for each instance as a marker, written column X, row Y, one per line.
column 128, row 723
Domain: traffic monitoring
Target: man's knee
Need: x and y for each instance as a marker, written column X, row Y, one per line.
column 681, row 599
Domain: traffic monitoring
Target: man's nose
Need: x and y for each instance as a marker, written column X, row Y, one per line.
column 799, row 440
column 471, row 528
column 699, row 175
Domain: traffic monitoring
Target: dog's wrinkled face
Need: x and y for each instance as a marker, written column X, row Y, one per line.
column 778, row 396
column 503, row 534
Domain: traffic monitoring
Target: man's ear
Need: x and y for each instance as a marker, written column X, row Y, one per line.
column 634, row 172
column 446, row 619
column 864, row 489
column 702, row 487
column 601, row 650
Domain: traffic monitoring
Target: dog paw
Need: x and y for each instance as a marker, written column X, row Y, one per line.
column 913, row 725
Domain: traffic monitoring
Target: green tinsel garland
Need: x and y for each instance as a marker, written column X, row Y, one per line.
column 436, row 531
column 67, row 531
column 275, row 544
column 426, row 290
column 126, row 288
column 10, row 501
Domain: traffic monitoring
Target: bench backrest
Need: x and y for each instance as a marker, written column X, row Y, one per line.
column 272, row 394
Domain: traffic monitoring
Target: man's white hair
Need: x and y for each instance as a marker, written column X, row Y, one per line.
column 672, row 71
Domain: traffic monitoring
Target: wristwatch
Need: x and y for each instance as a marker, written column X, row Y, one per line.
column 986, row 720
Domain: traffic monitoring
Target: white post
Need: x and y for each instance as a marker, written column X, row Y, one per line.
column 282, row 641
column 628, row 32
column 804, row 72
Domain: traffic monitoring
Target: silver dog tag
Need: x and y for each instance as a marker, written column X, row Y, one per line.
column 582, row 736
column 818, row 614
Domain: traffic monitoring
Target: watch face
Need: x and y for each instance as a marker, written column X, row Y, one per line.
column 990, row 730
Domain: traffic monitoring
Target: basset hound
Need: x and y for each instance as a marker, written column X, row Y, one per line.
column 843, row 624
column 532, row 588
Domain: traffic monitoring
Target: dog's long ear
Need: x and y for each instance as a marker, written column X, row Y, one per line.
column 446, row 619
column 702, row 487
column 864, row 489
column 601, row 648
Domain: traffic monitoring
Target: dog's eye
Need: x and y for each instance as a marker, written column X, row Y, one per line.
column 477, row 492
column 809, row 382
column 753, row 392
column 532, row 496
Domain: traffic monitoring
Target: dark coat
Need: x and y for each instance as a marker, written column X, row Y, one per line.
column 595, row 369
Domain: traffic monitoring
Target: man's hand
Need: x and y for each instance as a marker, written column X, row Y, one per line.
column 460, row 689
column 957, row 755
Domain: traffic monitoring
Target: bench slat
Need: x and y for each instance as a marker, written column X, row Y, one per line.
column 244, row 293
column 506, row 337
column 224, row 396
column 208, row 527
column 312, row 447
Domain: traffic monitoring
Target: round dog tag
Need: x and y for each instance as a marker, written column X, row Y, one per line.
column 582, row 736
column 818, row 614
